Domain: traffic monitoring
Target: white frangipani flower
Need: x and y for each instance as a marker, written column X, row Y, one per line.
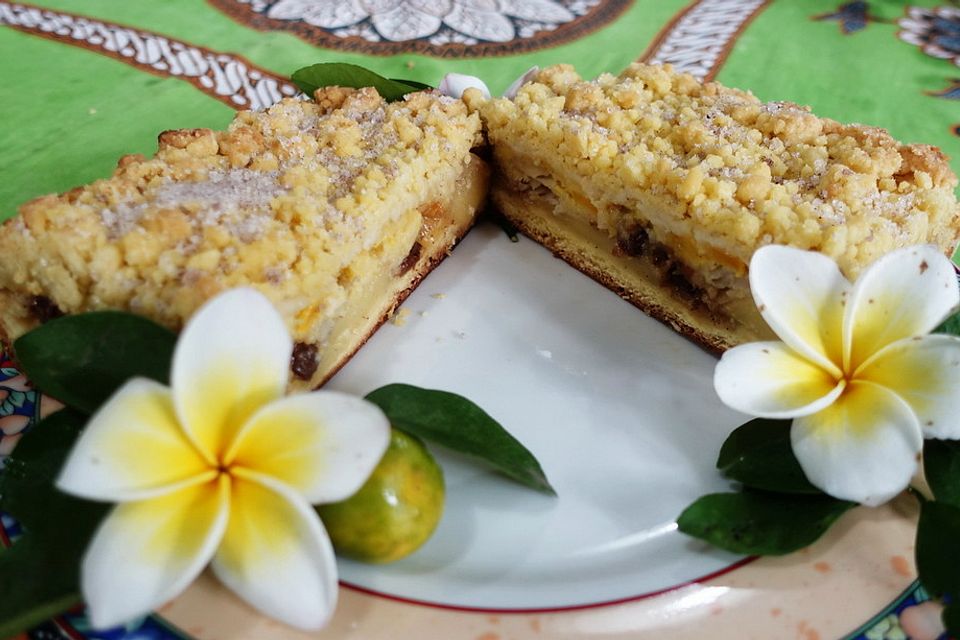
column 221, row 469
column 526, row 77
column 455, row 84
column 855, row 370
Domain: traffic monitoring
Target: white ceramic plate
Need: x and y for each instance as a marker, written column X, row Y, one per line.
column 619, row 410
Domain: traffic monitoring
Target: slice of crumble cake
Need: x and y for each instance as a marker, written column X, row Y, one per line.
column 662, row 187
column 334, row 209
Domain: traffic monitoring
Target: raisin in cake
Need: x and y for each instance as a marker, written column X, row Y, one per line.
column 333, row 209
column 662, row 187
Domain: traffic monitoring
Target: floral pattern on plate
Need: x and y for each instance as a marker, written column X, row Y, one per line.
column 18, row 406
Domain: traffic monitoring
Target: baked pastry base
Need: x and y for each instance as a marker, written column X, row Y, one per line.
column 445, row 222
column 637, row 279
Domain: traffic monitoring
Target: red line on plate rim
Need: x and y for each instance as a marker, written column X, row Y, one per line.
column 574, row 607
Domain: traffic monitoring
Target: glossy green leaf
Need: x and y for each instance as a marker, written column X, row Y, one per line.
column 458, row 424
column 39, row 574
column 758, row 454
column 938, row 548
column 420, row 86
column 761, row 523
column 82, row 359
column 340, row 74
column 951, row 325
column 951, row 619
column 508, row 227
column 941, row 466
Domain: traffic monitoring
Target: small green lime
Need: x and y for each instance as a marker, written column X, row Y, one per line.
column 397, row 509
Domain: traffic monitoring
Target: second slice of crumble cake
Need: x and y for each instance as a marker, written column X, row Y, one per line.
column 662, row 187
column 333, row 209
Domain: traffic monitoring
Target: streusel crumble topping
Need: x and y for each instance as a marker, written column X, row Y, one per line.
column 298, row 201
column 737, row 172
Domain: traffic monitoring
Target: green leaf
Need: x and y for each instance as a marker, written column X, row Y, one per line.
column 761, row 523
column 34, row 588
column 951, row 325
column 951, row 619
column 39, row 575
column 938, row 543
column 457, row 423
column 28, row 476
column 420, row 86
column 82, row 359
column 508, row 228
column 340, row 74
column 758, row 454
column 941, row 466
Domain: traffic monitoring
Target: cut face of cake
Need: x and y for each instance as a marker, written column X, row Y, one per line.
column 661, row 188
column 334, row 209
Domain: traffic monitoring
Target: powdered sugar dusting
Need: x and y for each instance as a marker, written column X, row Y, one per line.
column 121, row 220
column 237, row 198
column 222, row 191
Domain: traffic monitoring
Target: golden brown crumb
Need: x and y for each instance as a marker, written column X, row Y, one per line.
column 727, row 170
column 662, row 187
column 400, row 318
column 298, row 201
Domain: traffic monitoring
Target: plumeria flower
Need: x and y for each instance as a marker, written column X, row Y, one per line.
column 524, row 78
column 855, row 370
column 454, row 84
column 221, row 469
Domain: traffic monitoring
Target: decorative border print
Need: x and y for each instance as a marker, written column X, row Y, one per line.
column 891, row 622
column 442, row 28
column 698, row 40
column 229, row 78
column 933, row 30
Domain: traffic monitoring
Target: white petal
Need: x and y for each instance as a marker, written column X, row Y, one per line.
column 333, row 14
column 374, row 7
column 437, row 8
column 527, row 76
column 405, row 23
column 483, row 25
column 454, row 84
column 536, row 10
column 232, row 358
column 801, row 295
column 324, row 444
column 276, row 554
column 770, row 380
column 925, row 372
column 905, row 293
column 132, row 448
column 147, row 552
column 330, row 14
column 289, row 9
column 864, row 447
column 484, row 5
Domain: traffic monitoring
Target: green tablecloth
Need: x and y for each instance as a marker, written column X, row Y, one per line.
column 84, row 82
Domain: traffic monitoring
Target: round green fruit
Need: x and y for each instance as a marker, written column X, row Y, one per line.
column 397, row 509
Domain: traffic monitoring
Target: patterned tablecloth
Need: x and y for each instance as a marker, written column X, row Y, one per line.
column 86, row 81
